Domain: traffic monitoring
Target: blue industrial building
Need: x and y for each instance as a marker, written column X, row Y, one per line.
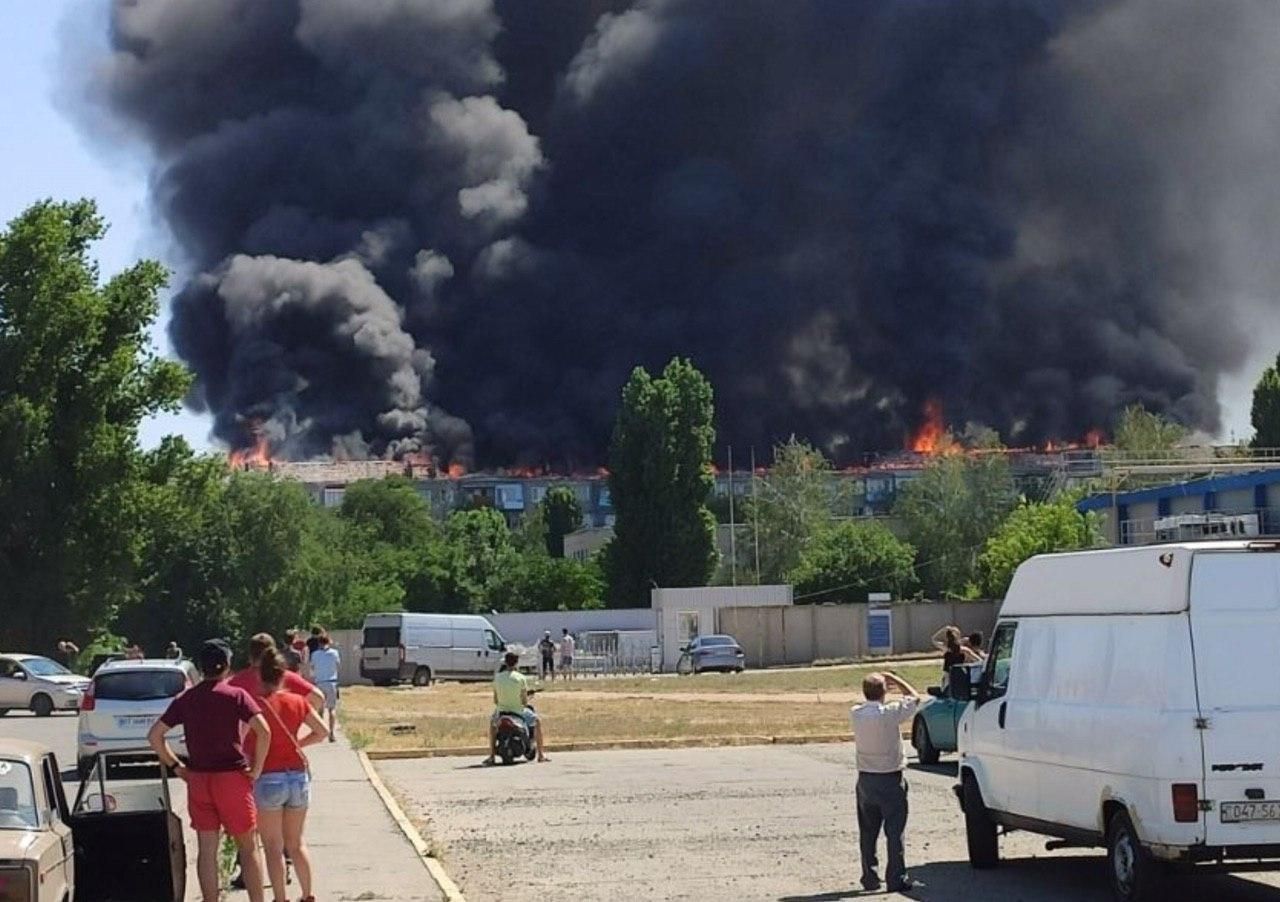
column 1130, row 518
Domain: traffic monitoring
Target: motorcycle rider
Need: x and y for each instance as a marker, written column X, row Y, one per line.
column 511, row 696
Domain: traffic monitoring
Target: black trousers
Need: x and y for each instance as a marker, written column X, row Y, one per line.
column 882, row 803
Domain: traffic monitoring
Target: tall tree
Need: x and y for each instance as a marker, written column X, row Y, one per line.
column 77, row 376
column 949, row 511
column 562, row 513
column 1138, row 429
column 1265, row 413
column 660, row 478
column 788, row 508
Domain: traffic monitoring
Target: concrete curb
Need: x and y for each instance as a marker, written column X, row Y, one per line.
column 617, row 744
column 447, row 887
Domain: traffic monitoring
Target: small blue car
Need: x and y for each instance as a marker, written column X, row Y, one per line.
column 934, row 729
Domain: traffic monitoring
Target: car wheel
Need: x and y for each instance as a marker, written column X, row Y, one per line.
column 738, row 669
column 42, row 705
column 923, row 743
column 422, row 676
column 1134, row 874
column 979, row 828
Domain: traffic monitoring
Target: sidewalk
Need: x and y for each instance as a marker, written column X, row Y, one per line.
column 357, row 850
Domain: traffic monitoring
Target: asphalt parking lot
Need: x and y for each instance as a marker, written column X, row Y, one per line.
column 761, row 823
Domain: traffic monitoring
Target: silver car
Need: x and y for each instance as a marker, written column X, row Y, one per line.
column 713, row 653
column 36, row 684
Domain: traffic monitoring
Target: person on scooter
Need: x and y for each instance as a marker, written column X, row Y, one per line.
column 511, row 696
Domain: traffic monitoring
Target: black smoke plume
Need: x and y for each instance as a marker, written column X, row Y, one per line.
column 454, row 226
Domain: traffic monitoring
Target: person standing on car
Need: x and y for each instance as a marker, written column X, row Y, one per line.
column 326, row 664
column 219, row 776
column 511, row 696
column 283, row 792
column 547, row 650
column 882, row 789
column 567, row 646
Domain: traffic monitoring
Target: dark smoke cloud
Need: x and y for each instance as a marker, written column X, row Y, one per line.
column 1032, row 211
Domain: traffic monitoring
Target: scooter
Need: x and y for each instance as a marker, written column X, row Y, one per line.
column 514, row 739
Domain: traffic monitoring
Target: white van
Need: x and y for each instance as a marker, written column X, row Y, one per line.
column 1132, row 700
column 426, row 647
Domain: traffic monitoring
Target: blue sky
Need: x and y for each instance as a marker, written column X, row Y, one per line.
column 43, row 155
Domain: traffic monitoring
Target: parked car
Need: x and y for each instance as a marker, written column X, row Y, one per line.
column 38, row 684
column 1129, row 702
column 37, row 860
column 933, row 731
column 712, row 653
column 425, row 647
column 123, row 701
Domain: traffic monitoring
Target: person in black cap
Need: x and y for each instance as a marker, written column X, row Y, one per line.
column 219, row 776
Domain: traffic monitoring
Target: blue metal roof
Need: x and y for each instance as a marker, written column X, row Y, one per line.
column 1191, row 488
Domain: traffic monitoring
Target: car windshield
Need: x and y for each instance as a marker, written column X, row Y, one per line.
column 44, row 667
column 138, row 685
column 718, row 640
column 17, row 796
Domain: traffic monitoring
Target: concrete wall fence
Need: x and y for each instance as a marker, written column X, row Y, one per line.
column 801, row 634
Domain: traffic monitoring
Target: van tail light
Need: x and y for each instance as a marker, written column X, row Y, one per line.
column 1186, row 803
column 401, row 654
column 87, row 701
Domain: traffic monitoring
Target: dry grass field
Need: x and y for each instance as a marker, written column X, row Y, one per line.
column 724, row 707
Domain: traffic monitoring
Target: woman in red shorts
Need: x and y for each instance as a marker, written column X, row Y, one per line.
column 283, row 792
column 219, row 776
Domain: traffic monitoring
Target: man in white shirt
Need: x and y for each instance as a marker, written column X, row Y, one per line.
column 326, row 663
column 882, row 790
column 566, row 654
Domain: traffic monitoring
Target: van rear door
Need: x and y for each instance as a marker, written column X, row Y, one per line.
column 380, row 651
column 1235, row 626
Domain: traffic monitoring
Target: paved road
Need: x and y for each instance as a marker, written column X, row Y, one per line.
column 766, row 823
column 359, row 854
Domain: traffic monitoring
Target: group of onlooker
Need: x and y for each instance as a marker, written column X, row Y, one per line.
column 547, row 649
column 247, row 773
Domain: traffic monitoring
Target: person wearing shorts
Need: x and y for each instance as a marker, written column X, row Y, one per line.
column 326, row 665
column 567, row 648
column 283, row 792
column 219, row 776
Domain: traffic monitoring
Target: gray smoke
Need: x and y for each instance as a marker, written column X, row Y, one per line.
column 408, row 216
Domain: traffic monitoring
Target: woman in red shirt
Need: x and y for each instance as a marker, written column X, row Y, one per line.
column 283, row 792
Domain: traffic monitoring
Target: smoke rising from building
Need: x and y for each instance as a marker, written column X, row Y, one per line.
column 453, row 226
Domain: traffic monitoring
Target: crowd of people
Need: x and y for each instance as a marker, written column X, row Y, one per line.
column 247, row 773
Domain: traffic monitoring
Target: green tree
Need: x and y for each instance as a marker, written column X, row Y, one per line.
column 949, row 512
column 846, row 561
column 660, row 479
column 480, row 549
column 542, row 583
column 1265, row 413
column 1029, row 530
column 1138, row 429
column 392, row 509
column 77, row 376
column 562, row 514
column 788, row 508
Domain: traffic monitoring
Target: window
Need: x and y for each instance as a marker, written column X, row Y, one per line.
column 17, row 797
column 44, row 667
column 139, row 685
column 7, row 668
column 53, row 790
column 1000, row 661
column 494, row 643
column 381, row 637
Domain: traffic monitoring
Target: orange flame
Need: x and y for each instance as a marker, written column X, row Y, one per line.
column 1095, row 438
column 456, row 471
column 928, row 438
column 255, row 457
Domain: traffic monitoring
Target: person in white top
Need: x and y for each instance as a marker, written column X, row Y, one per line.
column 566, row 654
column 882, row 789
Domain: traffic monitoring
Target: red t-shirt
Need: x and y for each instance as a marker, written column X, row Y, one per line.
column 211, row 713
column 290, row 713
column 250, row 680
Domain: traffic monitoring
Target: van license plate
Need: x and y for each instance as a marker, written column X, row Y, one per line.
column 1237, row 812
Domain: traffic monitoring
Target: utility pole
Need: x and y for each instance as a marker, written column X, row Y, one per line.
column 755, row 511
column 733, row 527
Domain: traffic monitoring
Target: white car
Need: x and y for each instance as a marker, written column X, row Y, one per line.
column 36, row 684
column 124, row 700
